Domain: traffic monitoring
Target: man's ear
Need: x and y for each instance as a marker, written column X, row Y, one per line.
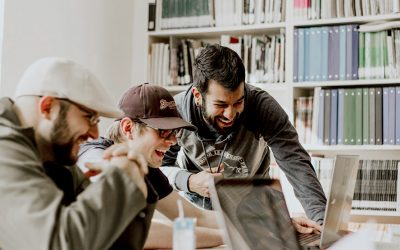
column 126, row 126
column 46, row 105
column 197, row 96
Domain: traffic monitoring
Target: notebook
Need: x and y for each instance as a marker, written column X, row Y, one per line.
column 255, row 215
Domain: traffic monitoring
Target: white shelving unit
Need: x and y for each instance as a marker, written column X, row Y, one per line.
column 285, row 93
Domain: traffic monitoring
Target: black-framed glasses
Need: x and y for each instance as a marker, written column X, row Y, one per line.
column 166, row 133
column 92, row 116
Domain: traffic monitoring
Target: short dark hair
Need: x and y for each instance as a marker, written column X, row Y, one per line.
column 218, row 63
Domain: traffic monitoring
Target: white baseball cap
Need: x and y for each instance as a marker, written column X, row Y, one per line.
column 66, row 79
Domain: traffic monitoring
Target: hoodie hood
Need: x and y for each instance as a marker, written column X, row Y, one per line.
column 8, row 116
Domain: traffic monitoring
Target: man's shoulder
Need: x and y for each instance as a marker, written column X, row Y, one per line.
column 257, row 94
column 183, row 103
column 16, row 137
column 180, row 98
column 260, row 101
column 100, row 143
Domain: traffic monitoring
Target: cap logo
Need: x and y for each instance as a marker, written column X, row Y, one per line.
column 164, row 104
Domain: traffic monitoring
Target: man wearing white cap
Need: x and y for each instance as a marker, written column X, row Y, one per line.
column 57, row 107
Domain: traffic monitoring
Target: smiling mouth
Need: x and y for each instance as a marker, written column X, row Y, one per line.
column 160, row 153
column 225, row 122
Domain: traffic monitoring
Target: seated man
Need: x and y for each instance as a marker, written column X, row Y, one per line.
column 55, row 110
column 151, row 124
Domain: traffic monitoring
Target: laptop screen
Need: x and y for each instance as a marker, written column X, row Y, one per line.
column 337, row 213
column 254, row 212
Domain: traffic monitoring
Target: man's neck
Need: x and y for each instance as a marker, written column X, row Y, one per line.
column 26, row 119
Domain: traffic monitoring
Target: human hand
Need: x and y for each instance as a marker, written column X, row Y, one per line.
column 199, row 182
column 305, row 225
column 131, row 150
column 125, row 158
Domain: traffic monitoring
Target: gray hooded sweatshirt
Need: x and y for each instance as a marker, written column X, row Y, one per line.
column 263, row 125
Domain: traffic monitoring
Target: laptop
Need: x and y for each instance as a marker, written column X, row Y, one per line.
column 255, row 215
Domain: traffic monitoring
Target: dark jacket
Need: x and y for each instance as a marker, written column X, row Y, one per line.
column 263, row 125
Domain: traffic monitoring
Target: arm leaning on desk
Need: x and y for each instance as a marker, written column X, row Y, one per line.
column 160, row 235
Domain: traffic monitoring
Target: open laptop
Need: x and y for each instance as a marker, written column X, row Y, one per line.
column 255, row 214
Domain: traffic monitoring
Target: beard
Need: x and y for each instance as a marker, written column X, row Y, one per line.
column 212, row 122
column 62, row 141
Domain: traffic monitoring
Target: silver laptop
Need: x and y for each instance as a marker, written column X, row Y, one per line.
column 255, row 214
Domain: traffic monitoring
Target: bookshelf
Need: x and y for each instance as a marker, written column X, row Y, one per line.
column 287, row 91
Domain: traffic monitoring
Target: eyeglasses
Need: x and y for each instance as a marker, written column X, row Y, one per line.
column 93, row 119
column 166, row 133
column 90, row 115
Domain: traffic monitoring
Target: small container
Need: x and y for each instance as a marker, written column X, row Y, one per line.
column 184, row 236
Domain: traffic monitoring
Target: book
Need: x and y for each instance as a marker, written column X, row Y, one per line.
column 392, row 116
column 378, row 116
column 324, row 52
column 372, row 108
column 295, row 55
column 385, row 127
column 397, row 116
column 334, row 117
column 365, row 116
column 334, row 52
column 315, row 65
column 342, row 52
column 307, row 50
column 340, row 135
column 361, row 56
column 349, row 52
column 327, row 116
column 358, row 128
column 151, row 24
column 349, row 133
column 301, row 57
column 355, row 51
column 321, row 116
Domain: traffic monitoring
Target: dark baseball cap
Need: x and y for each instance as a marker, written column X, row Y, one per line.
column 153, row 105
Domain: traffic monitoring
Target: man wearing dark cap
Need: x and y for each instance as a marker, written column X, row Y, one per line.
column 151, row 124
column 55, row 110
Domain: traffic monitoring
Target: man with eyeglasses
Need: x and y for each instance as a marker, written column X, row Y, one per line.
column 45, row 200
column 151, row 123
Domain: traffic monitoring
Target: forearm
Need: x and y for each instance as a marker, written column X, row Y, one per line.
column 208, row 237
column 177, row 177
column 295, row 163
column 207, row 219
column 161, row 236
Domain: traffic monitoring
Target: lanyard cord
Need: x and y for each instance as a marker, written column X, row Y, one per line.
column 220, row 159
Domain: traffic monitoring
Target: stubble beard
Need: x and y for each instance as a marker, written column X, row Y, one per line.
column 62, row 142
column 212, row 122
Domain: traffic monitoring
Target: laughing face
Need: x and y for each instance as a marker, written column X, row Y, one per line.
column 71, row 128
column 152, row 146
column 221, row 107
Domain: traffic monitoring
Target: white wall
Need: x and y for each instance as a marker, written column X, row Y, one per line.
column 95, row 33
column 140, row 42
